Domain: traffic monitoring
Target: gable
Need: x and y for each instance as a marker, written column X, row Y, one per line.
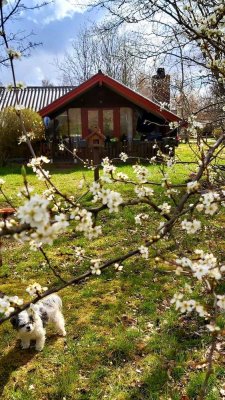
column 101, row 80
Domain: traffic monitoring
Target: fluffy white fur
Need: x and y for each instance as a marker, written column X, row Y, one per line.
column 30, row 324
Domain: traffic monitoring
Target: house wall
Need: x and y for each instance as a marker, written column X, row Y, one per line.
column 98, row 97
column 102, row 100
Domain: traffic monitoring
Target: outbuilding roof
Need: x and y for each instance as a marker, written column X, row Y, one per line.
column 50, row 99
column 34, row 97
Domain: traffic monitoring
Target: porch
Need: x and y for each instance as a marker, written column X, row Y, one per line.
column 95, row 153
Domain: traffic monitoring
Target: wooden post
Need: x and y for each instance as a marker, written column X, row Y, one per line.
column 96, row 173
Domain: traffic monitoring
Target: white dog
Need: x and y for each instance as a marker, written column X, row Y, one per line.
column 31, row 323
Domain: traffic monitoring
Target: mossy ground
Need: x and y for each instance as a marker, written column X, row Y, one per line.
column 124, row 340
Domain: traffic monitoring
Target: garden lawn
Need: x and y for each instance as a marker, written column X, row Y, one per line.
column 124, row 341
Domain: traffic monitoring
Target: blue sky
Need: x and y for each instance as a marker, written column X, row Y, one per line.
column 55, row 26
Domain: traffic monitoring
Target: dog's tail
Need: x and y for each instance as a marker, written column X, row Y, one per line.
column 53, row 300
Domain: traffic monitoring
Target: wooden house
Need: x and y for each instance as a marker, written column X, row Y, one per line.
column 126, row 120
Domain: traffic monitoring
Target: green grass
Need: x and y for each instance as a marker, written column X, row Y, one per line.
column 124, row 340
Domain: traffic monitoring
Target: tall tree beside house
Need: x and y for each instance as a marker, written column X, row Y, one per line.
column 111, row 51
column 185, row 35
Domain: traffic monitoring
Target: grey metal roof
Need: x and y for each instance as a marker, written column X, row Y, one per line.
column 34, row 97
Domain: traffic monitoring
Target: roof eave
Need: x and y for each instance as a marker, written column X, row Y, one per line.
column 116, row 86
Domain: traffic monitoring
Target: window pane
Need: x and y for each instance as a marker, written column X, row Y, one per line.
column 75, row 122
column 126, row 122
column 93, row 123
column 108, row 128
column 61, row 124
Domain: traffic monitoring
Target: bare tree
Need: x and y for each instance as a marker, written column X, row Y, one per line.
column 184, row 35
column 111, row 51
column 46, row 82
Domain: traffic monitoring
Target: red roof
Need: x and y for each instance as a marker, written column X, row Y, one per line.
column 115, row 86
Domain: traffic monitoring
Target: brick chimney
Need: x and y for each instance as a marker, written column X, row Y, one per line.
column 161, row 86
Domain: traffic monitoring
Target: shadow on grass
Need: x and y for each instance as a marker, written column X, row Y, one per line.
column 54, row 168
column 12, row 361
column 17, row 358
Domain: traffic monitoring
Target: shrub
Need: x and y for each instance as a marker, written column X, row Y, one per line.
column 217, row 132
column 11, row 131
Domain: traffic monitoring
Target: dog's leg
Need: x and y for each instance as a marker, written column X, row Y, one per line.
column 60, row 323
column 40, row 342
column 25, row 344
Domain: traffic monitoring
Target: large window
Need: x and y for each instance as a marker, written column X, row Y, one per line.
column 93, row 120
column 108, row 126
column 61, row 124
column 75, row 122
column 126, row 122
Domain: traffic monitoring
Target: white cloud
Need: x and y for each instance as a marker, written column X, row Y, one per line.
column 61, row 9
column 32, row 70
column 38, row 74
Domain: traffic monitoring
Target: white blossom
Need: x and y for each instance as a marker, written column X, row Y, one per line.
column 79, row 252
column 143, row 251
column 35, row 289
column 108, row 197
column 191, row 227
column 183, row 305
column 15, row 300
column 122, row 176
column 37, row 162
column 23, row 138
column 13, row 53
column 141, row 173
column 95, row 267
column 143, row 191
column 123, row 157
column 49, row 194
column 212, row 327
column 200, row 310
column 95, row 187
column 205, row 266
column 221, row 301
column 187, row 306
column 5, row 306
column 85, row 223
column 61, row 147
column 177, row 299
column 192, row 186
column 105, row 178
column 107, row 166
column 208, row 203
column 118, row 267
column 184, row 261
column 34, row 212
column 114, row 200
column 141, row 217
column 200, row 270
column 165, row 207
